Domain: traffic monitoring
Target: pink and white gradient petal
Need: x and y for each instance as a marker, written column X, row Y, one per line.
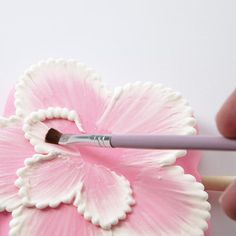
column 168, row 202
column 102, row 196
column 106, row 197
column 61, row 221
column 140, row 108
column 61, row 83
column 48, row 180
column 14, row 149
column 147, row 108
column 37, row 124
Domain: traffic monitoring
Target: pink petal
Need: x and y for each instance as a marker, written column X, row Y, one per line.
column 36, row 131
column 37, row 124
column 59, row 83
column 5, row 218
column 61, row 221
column 9, row 109
column 149, row 158
column 14, row 149
column 168, row 202
column 148, row 109
column 106, row 197
column 48, row 180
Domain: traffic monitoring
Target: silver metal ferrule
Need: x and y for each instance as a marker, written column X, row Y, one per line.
column 88, row 140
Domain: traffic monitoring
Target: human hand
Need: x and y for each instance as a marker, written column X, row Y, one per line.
column 226, row 123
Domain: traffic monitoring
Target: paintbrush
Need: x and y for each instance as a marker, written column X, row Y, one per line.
column 214, row 183
column 144, row 141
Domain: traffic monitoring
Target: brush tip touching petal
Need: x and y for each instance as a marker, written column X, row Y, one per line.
column 53, row 136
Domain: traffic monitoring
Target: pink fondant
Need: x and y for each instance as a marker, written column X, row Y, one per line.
column 142, row 108
column 39, row 130
column 49, row 181
column 172, row 193
column 62, row 221
column 154, row 203
column 5, row 218
column 57, row 86
column 106, row 195
column 16, row 142
column 13, row 150
column 9, row 107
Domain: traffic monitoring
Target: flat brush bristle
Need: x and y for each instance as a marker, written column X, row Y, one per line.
column 53, row 136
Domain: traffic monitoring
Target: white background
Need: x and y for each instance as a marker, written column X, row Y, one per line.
column 187, row 45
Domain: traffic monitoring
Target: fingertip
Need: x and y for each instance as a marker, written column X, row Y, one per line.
column 226, row 117
column 228, row 201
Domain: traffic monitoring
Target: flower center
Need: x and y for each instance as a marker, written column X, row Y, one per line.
column 37, row 124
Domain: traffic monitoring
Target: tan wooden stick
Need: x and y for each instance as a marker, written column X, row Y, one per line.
column 217, row 183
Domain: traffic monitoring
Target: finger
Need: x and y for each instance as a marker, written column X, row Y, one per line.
column 226, row 117
column 228, row 201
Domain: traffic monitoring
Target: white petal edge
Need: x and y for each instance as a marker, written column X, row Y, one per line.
column 92, row 77
column 8, row 121
column 23, row 191
column 189, row 121
column 125, row 209
column 48, row 114
column 14, row 224
column 4, row 123
column 200, row 214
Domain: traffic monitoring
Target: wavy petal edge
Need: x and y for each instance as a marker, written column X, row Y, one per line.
column 93, row 78
column 126, row 208
column 23, row 189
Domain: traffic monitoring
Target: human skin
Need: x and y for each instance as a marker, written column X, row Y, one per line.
column 226, row 123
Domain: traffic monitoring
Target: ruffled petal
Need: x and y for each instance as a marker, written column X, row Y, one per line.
column 106, row 197
column 146, row 108
column 37, row 124
column 61, row 221
column 48, row 180
column 60, row 83
column 14, row 149
column 168, row 202
column 149, row 158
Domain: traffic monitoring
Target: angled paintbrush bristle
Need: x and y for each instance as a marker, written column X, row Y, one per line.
column 53, row 136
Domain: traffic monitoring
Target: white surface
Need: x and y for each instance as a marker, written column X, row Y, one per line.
column 187, row 45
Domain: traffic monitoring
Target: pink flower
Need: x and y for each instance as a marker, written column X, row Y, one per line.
column 77, row 190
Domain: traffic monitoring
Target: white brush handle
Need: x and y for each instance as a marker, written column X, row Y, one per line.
column 217, row 183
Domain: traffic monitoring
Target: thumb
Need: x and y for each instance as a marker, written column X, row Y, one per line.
column 228, row 201
column 226, row 117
